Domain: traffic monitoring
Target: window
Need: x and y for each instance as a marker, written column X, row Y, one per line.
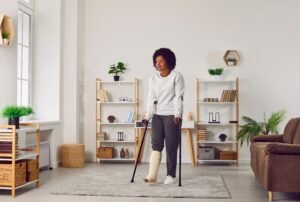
column 24, row 55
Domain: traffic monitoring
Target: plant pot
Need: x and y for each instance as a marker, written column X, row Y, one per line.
column 231, row 63
column 116, row 78
column 216, row 77
column 5, row 41
column 14, row 121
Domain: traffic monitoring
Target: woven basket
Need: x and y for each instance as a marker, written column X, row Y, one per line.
column 5, row 174
column 73, row 155
column 32, row 170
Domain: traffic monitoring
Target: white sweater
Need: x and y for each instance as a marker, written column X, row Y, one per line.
column 167, row 92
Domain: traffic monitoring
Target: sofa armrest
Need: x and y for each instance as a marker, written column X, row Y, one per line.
column 282, row 148
column 267, row 138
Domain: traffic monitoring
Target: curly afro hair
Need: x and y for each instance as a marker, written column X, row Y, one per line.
column 168, row 55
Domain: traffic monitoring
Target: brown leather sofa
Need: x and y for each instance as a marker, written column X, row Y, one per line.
column 275, row 159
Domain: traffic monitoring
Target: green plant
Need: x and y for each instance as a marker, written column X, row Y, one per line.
column 231, row 60
column 216, row 71
column 252, row 128
column 116, row 69
column 5, row 35
column 12, row 111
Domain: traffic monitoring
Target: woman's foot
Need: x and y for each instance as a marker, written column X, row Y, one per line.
column 146, row 180
column 170, row 180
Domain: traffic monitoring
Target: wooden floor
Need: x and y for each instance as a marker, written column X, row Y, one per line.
column 239, row 180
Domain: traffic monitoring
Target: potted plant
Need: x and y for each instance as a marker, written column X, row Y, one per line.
column 5, row 36
column 231, row 61
column 14, row 112
column 252, row 128
column 215, row 73
column 116, row 69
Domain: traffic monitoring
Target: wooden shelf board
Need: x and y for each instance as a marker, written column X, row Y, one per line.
column 23, row 185
column 117, row 102
column 216, row 124
column 22, row 155
column 116, row 141
column 217, row 161
column 117, row 159
column 216, row 142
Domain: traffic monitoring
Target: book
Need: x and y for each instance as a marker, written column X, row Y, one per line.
column 130, row 117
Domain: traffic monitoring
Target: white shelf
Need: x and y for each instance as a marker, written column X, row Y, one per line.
column 216, row 103
column 23, row 185
column 216, row 142
column 213, row 81
column 116, row 102
column 117, row 159
column 21, row 130
column 116, row 82
column 216, row 124
column 115, row 123
column 116, row 141
column 22, row 155
column 217, row 161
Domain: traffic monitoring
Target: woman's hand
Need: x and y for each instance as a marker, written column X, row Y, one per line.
column 177, row 119
column 145, row 121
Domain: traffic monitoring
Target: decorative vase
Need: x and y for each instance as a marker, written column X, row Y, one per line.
column 5, row 41
column 14, row 121
column 122, row 153
column 222, row 137
column 116, row 78
column 126, row 153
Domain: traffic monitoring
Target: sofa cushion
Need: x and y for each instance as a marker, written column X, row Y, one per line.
column 289, row 130
column 282, row 148
column 296, row 139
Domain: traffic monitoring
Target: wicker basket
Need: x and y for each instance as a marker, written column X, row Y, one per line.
column 5, row 174
column 73, row 155
column 105, row 152
column 32, row 170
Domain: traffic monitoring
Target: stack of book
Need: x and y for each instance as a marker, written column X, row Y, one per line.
column 229, row 96
column 101, row 136
column 201, row 135
column 102, row 96
column 6, row 143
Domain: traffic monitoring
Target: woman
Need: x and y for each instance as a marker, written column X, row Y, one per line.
column 165, row 107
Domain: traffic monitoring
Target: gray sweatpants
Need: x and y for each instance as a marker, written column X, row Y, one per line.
column 164, row 128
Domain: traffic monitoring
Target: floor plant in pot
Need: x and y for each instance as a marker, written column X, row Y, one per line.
column 116, row 69
column 253, row 128
column 14, row 112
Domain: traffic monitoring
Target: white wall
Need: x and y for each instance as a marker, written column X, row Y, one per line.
column 8, row 60
column 266, row 33
column 46, row 59
column 70, row 71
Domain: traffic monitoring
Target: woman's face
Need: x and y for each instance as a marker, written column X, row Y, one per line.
column 161, row 63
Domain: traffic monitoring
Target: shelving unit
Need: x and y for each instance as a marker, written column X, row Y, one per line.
column 112, row 105
column 12, row 155
column 6, row 25
column 207, row 131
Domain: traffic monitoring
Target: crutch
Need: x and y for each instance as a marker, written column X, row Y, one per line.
column 139, row 152
column 179, row 181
